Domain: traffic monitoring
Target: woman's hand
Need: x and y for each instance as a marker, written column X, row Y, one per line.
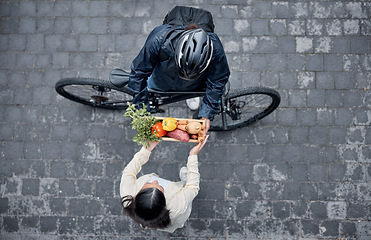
column 207, row 125
column 196, row 149
column 151, row 146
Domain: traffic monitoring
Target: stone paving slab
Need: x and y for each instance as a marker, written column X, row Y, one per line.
column 302, row 173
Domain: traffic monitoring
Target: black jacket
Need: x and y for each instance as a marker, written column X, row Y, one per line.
column 164, row 72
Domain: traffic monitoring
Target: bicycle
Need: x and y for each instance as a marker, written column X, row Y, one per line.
column 237, row 109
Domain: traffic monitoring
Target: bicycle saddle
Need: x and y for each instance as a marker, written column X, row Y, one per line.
column 119, row 77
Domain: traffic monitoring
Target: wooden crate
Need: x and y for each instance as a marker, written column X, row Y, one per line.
column 203, row 122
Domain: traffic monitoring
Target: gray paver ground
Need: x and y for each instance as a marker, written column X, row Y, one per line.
column 302, row 173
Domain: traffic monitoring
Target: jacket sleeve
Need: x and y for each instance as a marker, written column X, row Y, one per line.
column 129, row 175
column 142, row 67
column 218, row 75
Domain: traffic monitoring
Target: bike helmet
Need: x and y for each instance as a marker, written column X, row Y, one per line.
column 193, row 53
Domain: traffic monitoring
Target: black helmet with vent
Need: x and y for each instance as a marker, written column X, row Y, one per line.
column 193, row 53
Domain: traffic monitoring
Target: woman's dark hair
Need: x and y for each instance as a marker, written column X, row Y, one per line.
column 148, row 208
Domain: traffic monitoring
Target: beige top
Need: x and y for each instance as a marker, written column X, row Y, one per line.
column 177, row 194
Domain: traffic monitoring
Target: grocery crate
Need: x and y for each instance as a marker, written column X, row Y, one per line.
column 203, row 123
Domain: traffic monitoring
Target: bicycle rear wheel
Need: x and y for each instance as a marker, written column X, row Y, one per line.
column 94, row 92
column 245, row 107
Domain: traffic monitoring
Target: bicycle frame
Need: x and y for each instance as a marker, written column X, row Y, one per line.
column 158, row 98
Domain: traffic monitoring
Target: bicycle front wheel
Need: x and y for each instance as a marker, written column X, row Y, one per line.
column 94, row 92
column 245, row 107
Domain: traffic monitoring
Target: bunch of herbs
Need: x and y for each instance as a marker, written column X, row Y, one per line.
column 142, row 121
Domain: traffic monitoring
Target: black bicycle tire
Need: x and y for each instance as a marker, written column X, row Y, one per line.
column 59, row 87
column 276, row 99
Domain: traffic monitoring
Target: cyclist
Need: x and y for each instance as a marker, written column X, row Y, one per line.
column 182, row 56
column 157, row 203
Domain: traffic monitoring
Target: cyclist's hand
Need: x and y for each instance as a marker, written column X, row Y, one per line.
column 196, row 149
column 151, row 146
column 207, row 125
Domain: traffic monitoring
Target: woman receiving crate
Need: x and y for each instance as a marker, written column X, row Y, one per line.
column 157, row 203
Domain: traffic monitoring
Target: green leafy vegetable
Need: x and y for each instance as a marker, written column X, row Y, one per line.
column 142, row 121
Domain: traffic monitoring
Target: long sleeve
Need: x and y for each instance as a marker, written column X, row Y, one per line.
column 129, row 175
column 192, row 185
column 217, row 77
column 179, row 199
column 143, row 65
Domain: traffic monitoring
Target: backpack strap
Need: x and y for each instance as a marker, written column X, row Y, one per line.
column 163, row 55
column 172, row 34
